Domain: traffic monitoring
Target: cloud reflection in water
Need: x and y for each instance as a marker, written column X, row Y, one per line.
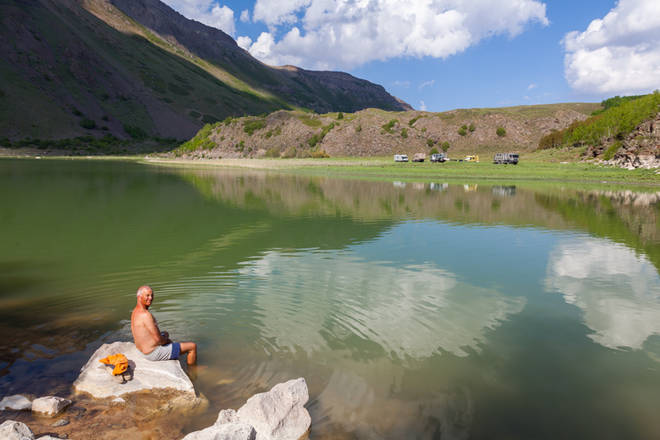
column 314, row 300
column 618, row 290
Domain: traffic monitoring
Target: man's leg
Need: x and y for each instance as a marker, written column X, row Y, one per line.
column 191, row 349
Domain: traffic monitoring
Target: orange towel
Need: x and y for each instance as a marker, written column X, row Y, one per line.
column 118, row 360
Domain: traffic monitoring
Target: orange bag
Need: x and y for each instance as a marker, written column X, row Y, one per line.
column 118, row 360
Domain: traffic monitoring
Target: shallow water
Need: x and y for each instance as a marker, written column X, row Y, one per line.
column 413, row 310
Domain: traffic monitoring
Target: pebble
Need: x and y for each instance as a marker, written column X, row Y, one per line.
column 61, row 422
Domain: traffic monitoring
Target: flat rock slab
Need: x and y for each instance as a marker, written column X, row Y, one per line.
column 16, row 402
column 97, row 380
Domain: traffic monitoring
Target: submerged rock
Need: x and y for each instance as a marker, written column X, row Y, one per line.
column 278, row 414
column 11, row 430
column 97, row 380
column 50, row 405
column 17, row 402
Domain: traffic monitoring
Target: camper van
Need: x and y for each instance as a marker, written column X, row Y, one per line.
column 506, row 158
column 400, row 158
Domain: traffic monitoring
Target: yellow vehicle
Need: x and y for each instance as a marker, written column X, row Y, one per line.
column 472, row 158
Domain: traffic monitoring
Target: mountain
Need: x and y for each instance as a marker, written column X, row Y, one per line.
column 137, row 68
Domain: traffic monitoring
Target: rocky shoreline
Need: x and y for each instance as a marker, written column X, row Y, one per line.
column 157, row 401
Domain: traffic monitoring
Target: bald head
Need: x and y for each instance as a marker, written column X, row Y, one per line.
column 143, row 290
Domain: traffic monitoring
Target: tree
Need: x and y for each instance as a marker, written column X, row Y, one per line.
column 501, row 132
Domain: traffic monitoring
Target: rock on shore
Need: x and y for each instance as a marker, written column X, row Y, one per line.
column 278, row 414
column 96, row 379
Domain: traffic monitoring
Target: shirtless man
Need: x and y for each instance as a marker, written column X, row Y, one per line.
column 154, row 344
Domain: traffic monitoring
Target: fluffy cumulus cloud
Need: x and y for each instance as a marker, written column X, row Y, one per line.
column 619, row 53
column 209, row 12
column 346, row 33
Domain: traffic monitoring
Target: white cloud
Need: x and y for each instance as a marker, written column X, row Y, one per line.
column 245, row 16
column 244, row 42
column 618, row 54
column 208, row 12
column 532, row 86
column 347, row 33
column 618, row 290
column 399, row 83
column 422, row 106
column 426, row 84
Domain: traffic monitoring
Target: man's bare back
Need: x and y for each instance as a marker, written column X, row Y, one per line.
column 153, row 343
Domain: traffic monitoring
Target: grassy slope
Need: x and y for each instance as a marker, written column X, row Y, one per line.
column 65, row 59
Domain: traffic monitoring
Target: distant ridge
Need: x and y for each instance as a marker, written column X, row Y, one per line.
column 137, row 68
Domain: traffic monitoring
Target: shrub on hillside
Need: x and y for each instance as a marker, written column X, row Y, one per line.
column 340, row 115
column 404, row 133
column 253, row 125
column 430, row 142
column 445, row 146
column 273, row 152
column 390, row 125
column 433, row 151
column 462, row 131
column 413, row 120
column 88, row 124
column 611, row 151
column 471, row 127
column 320, row 154
column 501, row 132
column 135, row 132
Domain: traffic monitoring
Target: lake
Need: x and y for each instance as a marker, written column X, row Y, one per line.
column 422, row 310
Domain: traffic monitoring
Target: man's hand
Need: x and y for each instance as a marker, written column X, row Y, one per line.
column 165, row 338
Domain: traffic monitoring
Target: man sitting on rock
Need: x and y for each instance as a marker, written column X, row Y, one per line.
column 154, row 344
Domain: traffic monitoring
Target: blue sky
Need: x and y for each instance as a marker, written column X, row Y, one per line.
column 443, row 54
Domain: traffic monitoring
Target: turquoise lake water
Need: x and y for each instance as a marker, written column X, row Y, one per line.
column 414, row 310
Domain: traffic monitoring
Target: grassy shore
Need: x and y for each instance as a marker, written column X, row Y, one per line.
column 385, row 168
column 533, row 168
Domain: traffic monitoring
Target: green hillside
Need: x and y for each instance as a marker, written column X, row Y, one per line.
column 74, row 69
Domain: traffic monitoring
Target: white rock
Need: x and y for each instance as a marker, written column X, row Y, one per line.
column 48, row 437
column 97, row 380
column 278, row 414
column 11, row 430
column 16, row 402
column 50, row 405
column 227, row 431
column 118, row 401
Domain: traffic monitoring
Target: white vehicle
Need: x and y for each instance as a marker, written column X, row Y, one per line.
column 505, row 158
column 439, row 157
column 400, row 158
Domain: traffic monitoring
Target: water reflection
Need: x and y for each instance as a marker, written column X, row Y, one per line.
column 317, row 302
column 618, row 290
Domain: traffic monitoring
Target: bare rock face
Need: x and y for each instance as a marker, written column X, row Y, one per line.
column 16, row 402
column 11, row 430
column 50, row 405
column 97, row 380
column 278, row 414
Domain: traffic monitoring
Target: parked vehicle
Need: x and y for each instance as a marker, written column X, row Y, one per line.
column 419, row 157
column 505, row 158
column 471, row 158
column 400, row 158
column 439, row 157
